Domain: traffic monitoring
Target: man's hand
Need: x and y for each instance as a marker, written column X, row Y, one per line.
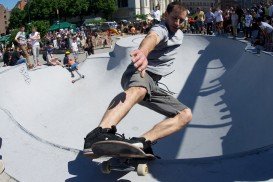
column 140, row 61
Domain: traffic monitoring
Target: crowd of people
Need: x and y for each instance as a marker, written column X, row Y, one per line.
column 255, row 24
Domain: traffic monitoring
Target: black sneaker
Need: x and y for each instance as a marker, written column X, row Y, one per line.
column 142, row 143
column 100, row 134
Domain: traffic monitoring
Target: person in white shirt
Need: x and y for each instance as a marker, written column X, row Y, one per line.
column 21, row 40
column 234, row 23
column 35, row 44
column 156, row 14
column 270, row 11
column 248, row 24
column 267, row 32
column 219, row 20
column 74, row 47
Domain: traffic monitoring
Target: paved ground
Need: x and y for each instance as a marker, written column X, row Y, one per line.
column 229, row 138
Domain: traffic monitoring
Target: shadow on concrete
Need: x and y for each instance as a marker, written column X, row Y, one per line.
column 246, row 103
column 85, row 169
column 0, row 147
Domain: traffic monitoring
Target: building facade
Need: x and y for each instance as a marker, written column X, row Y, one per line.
column 192, row 5
column 4, row 19
column 128, row 9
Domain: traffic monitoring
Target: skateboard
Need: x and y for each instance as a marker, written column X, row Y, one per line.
column 80, row 77
column 125, row 157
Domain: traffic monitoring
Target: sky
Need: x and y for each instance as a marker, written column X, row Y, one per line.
column 9, row 3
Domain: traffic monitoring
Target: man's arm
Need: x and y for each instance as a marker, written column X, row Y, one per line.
column 139, row 56
column 16, row 37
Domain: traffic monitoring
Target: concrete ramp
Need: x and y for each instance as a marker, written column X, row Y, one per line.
column 44, row 117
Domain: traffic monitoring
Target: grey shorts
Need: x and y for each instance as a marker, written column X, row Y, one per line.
column 157, row 98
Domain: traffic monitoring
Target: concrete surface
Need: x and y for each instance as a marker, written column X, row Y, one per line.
column 44, row 117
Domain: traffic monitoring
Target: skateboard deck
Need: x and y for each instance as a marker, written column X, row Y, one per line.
column 125, row 157
column 118, row 149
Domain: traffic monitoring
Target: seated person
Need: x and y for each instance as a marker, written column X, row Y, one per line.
column 16, row 57
column 7, row 56
column 51, row 58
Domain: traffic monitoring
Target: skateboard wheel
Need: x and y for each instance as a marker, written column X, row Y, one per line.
column 82, row 76
column 142, row 169
column 105, row 167
column 73, row 81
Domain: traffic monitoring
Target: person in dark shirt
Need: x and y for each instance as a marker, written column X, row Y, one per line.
column 16, row 57
column 7, row 56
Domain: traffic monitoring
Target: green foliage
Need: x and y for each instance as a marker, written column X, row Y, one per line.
column 12, row 36
column 17, row 18
column 141, row 16
column 42, row 26
column 106, row 7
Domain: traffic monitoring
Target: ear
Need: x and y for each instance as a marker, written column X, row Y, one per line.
column 165, row 15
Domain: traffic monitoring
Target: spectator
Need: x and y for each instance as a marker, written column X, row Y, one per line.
column 200, row 20
column 156, row 15
column 89, row 45
column 234, row 23
column 219, row 20
column 16, row 57
column 51, row 58
column 20, row 39
column 35, row 44
column 267, row 33
column 248, row 24
column 209, row 17
column 7, row 56
column 74, row 47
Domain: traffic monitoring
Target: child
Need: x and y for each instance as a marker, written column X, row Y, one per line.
column 70, row 64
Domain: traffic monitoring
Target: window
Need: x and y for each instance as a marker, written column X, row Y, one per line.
column 122, row 3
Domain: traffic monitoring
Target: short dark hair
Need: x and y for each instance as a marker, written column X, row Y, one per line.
column 174, row 4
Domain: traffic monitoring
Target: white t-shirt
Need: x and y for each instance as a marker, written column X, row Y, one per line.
column 218, row 16
column 34, row 38
column 248, row 20
column 265, row 26
column 21, row 37
column 74, row 46
column 156, row 15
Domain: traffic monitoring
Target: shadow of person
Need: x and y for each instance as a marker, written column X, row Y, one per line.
column 86, row 169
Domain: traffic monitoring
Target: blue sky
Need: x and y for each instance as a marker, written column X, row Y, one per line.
column 8, row 3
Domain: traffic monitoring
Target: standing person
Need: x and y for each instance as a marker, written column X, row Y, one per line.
column 150, row 62
column 35, row 44
column 20, row 38
column 219, row 20
column 234, row 23
column 74, row 47
column 248, row 24
column 200, row 20
column 156, row 15
column 209, row 17
column 89, row 45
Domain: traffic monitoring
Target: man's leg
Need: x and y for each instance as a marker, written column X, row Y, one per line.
column 121, row 105
column 169, row 126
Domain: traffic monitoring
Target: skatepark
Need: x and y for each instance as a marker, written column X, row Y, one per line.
column 44, row 117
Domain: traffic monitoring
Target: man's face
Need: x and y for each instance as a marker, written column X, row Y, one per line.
column 175, row 18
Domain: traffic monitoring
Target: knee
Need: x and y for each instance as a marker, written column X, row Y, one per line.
column 185, row 116
column 137, row 92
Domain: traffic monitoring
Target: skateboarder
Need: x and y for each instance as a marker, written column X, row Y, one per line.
column 150, row 62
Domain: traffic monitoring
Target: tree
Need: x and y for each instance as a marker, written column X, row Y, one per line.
column 78, row 8
column 106, row 7
column 17, row 18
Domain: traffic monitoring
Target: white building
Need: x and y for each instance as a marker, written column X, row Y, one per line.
column 128, row 9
